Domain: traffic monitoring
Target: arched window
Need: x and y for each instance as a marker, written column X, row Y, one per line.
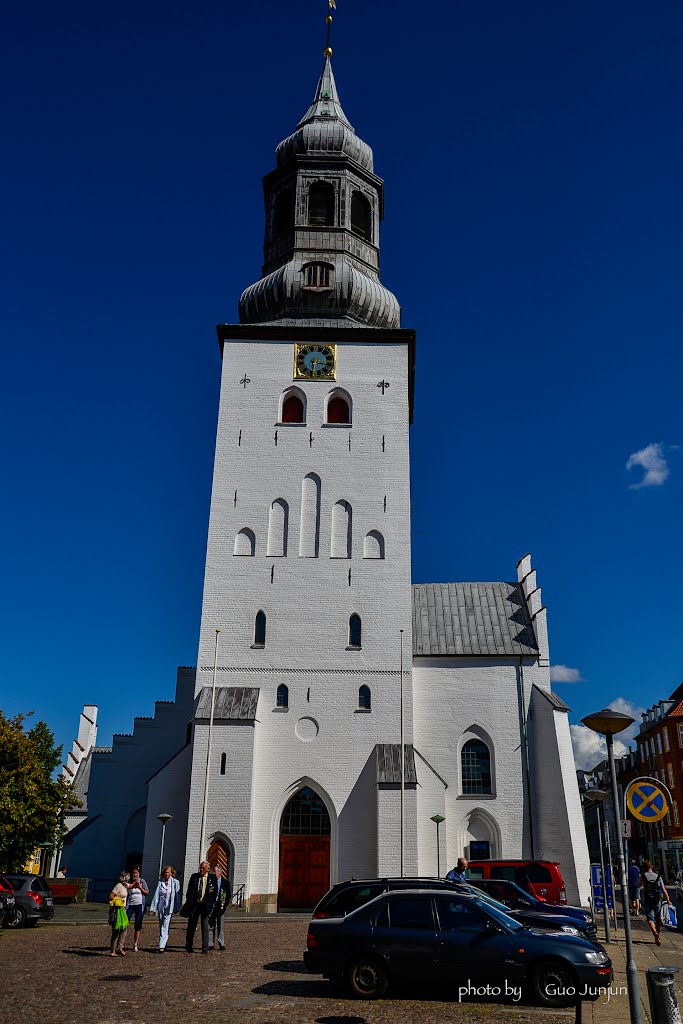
column 373, row 545
column 361, row 216
column 260, row 630
column 321, row 204
column 278, row 523
column 475, row 759
column 282, row 696
column 245, row 542
column 222, row 764
column 355, row 631
column 293, row 410
column 293, row 406
column 342, row 514
column 338, row 408
column 364, row 698
column 283, row 213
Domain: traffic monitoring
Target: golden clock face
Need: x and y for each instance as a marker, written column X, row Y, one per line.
column 315, row 362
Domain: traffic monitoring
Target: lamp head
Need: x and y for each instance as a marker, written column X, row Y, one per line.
column 607, row 722
column 163, row 818
column 437, row 818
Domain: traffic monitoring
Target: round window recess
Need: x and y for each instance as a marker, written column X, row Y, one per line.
column 306, row 729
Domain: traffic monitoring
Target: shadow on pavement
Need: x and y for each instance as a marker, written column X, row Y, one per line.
column 340, row 1020
column 86, row 950
column 287, row 967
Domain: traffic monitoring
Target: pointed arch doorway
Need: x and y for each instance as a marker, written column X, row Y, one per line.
column 219, row 855
column 304, row 851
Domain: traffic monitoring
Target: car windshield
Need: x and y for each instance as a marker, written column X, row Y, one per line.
column 502, row 918
column 485, row 898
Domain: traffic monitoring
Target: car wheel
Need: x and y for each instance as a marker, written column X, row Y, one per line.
column 553, row 983
column 367, row 978
column 16, row 918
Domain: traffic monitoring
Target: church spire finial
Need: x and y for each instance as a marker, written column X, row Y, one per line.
column 331, row 6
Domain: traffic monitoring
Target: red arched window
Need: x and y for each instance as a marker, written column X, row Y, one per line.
column 293, row 410
column 338, row 410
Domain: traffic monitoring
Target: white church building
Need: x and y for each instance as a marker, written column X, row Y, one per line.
column 327, row 656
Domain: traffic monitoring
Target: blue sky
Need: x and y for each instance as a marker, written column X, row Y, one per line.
column 533, row 224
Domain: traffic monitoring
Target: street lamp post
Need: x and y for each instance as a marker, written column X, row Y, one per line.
column 596, row 796
column 164, row 819
column 437, row 819
column 608, row 723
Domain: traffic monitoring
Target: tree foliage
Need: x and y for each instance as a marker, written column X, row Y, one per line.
column 33, row 804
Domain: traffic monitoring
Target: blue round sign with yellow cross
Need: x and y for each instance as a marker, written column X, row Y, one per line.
column 646, row 801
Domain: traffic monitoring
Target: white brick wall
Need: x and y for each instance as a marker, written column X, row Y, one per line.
column 309, row 601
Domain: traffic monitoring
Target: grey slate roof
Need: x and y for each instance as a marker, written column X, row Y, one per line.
column 389, row 764
column 490, row 619
column 553, row 699
column 232, row 702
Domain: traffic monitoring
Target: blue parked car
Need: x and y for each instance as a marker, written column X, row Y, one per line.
column 458, row 940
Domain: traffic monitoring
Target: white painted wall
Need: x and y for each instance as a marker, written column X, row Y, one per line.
column 322, row 737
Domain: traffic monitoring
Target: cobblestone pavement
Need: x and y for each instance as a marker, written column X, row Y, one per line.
column 63, row 974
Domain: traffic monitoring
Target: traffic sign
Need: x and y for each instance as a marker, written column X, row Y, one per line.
column 626, row 828
column 647, row 801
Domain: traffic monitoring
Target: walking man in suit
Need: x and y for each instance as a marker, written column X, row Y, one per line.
column 200, row 897
column 221, row 904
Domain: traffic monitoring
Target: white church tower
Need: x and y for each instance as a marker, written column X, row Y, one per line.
column 308, row 559
column 326, row 656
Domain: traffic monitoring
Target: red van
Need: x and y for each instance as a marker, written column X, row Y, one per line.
column 542, row 878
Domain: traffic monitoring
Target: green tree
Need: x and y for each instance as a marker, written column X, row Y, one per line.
column 33, row 804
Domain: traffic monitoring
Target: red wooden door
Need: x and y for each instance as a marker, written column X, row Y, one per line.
column 304, row 871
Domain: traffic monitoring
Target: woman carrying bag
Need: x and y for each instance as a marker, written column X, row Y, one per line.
column 166, row 903
column 118, row 919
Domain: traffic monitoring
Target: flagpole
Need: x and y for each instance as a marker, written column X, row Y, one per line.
column 208, row 750
column 403, row 783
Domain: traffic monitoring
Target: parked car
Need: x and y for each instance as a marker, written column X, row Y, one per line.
column 32, row 901
column 345, row 897
column 516, row 898
column 538, row 914
column 436, row 936
column 6, row 898
column 542, row 878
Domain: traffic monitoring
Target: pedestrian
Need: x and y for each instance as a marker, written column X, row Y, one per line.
column 62, row 871
column 216, row 921
column 118, row 919
column 634, row 885
column 138, row 890
column 166, row 903
column 457, row 874
column 200, row 898
column 652, row 891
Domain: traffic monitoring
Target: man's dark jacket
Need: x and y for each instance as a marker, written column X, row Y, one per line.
column 193, row 891
column 224, row 897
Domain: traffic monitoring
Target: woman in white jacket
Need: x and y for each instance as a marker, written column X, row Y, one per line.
column 166, row 903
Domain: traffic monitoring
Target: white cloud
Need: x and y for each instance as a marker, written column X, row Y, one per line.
column 652, row 460
column 565, row 674
column 590, row 747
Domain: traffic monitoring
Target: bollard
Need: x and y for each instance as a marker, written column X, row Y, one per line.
column 661, row 990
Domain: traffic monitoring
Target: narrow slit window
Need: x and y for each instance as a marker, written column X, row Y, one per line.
column 222, row 764
column 260, row 630
column 355, row 631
